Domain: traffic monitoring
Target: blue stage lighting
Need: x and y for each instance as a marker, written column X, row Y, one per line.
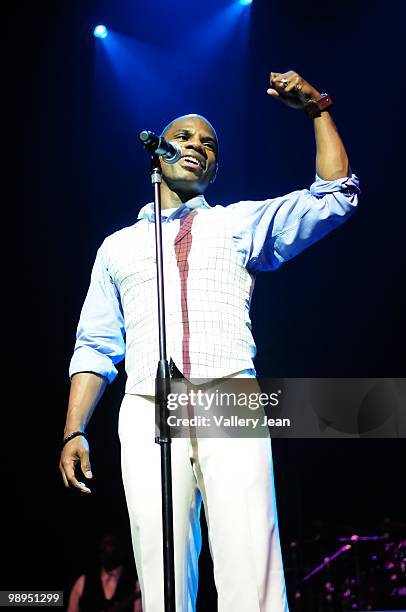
column 100, row 31
column 245, row 2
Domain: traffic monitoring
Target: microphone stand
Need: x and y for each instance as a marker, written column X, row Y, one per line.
column 162, row 389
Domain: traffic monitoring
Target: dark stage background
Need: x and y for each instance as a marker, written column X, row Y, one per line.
column 334, row 311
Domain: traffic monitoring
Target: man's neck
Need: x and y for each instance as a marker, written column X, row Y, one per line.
column 173, row 199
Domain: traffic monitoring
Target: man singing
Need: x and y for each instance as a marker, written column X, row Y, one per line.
column 211, row 257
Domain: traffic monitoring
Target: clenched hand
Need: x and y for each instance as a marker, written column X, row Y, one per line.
column 291, row 89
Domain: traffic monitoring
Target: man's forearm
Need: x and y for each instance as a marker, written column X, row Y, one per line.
column 85, row 392
column 294, row 91
column 331, row 158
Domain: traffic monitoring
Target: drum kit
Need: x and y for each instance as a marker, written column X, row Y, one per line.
column 350, row 572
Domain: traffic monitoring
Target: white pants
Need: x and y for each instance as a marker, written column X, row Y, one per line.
column 234, row 477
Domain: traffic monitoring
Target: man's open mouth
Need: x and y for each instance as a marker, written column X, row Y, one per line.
column 192, row 162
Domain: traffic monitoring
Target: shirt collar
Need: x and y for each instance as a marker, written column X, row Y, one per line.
column 147, row 211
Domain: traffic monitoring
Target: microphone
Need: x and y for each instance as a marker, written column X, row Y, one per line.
column 170, row 152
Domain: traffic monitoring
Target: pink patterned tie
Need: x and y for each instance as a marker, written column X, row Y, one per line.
column 183, row 243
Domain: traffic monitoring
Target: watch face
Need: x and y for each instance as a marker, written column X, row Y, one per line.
column 314, row 108
column 324, row 102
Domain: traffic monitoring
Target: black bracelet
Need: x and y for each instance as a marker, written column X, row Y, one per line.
column 73, row 435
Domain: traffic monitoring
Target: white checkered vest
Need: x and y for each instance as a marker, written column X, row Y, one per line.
column 219, row 290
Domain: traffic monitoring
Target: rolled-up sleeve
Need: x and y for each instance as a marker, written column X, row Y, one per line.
column 100, row 333
column 272, row 231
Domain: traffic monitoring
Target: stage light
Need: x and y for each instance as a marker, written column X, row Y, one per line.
column 100, row 31
column 245, row 2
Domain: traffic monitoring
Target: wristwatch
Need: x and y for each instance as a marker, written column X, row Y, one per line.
column 314, row 108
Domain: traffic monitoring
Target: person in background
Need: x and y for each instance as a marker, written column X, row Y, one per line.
column 110, row 587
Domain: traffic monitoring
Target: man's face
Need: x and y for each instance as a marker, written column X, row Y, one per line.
column 197, row 167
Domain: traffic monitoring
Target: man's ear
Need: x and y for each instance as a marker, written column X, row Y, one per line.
column 215, row 173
